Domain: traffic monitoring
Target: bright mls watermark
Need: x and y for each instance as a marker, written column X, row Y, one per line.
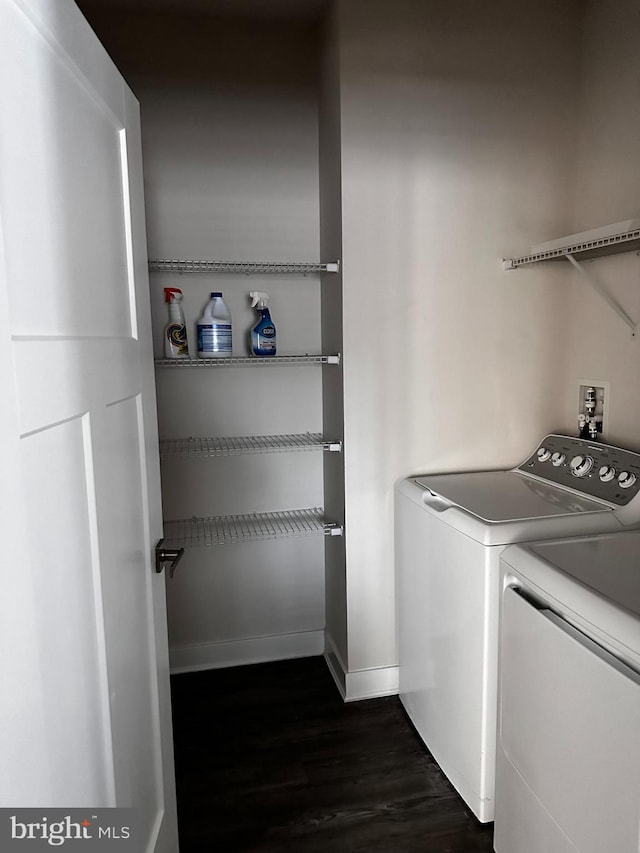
column 106, row 830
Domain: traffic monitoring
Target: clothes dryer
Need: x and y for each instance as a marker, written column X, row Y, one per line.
column 568, row 758
column 450, row 530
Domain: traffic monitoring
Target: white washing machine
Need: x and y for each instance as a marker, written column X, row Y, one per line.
column 450, row 530
column 568, row 759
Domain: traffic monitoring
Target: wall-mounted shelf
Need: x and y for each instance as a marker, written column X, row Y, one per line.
column 614, row 244
column 242, row 267
column 248, row 361
column 227, row 529
column 610, row 240
column 197, row 448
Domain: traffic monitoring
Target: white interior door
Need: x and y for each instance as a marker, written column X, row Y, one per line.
column 85, row 708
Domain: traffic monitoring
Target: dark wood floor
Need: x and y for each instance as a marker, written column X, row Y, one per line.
column 269, row 758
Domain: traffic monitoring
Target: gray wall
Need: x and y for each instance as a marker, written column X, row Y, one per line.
column 332, row 337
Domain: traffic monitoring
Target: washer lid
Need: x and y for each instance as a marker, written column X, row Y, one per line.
column 502, row 496
column 607, row 565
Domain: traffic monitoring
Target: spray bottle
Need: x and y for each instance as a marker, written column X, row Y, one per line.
column 175, row 332
column 263, row 334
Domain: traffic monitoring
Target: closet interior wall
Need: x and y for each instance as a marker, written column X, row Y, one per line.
column 230, row 138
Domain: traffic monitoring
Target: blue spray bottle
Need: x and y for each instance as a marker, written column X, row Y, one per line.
column 263, row 334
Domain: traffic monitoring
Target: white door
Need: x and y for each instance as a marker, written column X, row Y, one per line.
column 84, row 704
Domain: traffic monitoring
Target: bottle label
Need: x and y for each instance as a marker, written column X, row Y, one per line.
column 263, row 345
column 214, row 338
column 177, row 337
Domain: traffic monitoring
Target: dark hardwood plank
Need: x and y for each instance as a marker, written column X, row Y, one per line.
column 270, row 760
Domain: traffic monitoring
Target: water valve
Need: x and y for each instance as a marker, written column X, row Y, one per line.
column 591, row 411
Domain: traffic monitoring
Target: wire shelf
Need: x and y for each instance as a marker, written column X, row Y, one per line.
column 227, row 529
column 248, row 361
column 629, row 241
column 198, row 448
column 242, row 267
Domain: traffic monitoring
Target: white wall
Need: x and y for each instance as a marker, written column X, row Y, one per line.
column 230, row 136
column 599, row 345
column 456, row 123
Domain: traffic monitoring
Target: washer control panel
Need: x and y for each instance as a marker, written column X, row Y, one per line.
column 598, row 470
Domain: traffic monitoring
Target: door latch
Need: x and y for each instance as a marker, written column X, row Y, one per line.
column 172, row 556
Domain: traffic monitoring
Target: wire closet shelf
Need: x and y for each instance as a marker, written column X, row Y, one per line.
column 628, row 241
column 228, row 529
column 202, row 447
column 243, row 267
column 248, row 361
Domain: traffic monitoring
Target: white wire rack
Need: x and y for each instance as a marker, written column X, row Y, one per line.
column 227, row 529
column 629, row 241
column 235, row 445
column 248, row 361
column 242, row 267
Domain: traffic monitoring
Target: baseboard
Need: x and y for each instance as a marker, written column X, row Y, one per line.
column 360, row 683
column 354, row 685
column 240, row 652
column 336, row 666
column 370, row 683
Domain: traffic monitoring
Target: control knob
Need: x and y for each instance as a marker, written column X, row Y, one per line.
column 626, row 479
column 581, row 465
column 607, row 473
column 543, row 454
column 558, row 458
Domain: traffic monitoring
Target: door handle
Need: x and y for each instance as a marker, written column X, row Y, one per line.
column 167, row 555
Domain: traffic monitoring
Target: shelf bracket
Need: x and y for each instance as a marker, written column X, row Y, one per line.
column 602, row 293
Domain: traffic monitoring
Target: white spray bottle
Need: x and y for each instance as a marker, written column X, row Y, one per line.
column 263, row 334
column 175, row 332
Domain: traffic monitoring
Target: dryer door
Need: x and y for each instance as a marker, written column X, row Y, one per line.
column 569, row 719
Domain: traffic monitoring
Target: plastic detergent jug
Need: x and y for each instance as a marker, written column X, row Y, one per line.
column 175, row 332
column 214, row 329
column 263, row 334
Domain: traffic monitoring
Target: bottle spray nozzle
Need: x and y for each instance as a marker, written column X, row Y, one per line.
column 258, row 298
column 172, row 293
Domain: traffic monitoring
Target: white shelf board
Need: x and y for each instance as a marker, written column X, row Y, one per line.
column 227, row 529
column 248, row 361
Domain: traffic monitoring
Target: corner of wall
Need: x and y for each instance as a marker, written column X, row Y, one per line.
column 330, row 193
column 360, row 684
